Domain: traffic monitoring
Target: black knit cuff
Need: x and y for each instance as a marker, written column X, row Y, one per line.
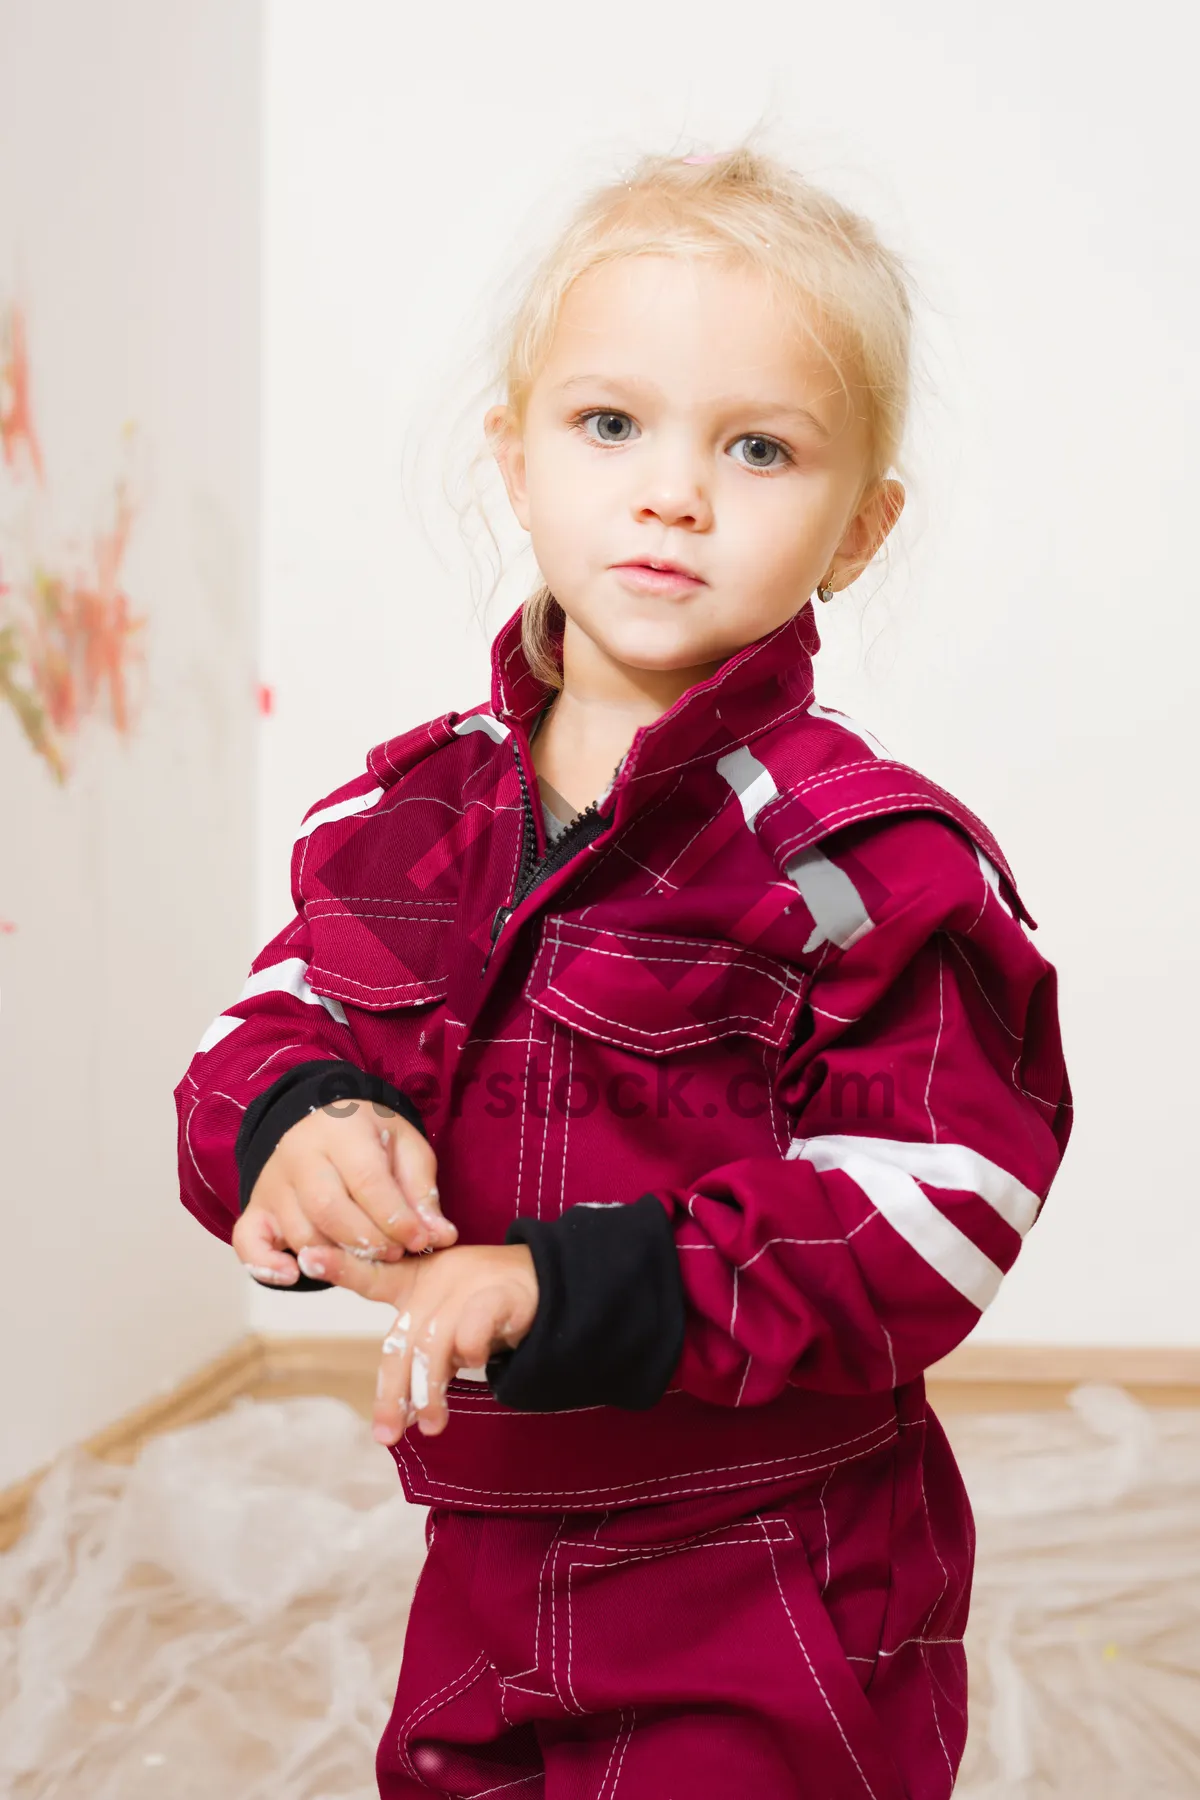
column 610, row 1318
column 298, row 1092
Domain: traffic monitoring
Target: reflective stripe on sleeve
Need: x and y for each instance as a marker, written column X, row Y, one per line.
column 286, row 977
column 888, row 1172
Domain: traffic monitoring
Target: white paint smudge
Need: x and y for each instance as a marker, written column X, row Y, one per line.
column 420, row 1379
column 276, row 1277
column 396, row 1341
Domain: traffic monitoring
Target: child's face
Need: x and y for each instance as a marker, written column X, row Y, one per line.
column 692, row 377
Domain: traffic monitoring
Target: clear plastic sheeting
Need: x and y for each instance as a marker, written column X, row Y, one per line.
column 223, row 1620
column 1084, row 1638
column 226, row 1617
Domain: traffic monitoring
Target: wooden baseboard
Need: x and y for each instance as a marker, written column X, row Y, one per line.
column 207, row 1391
column 270, row 1367
column 1130, row 1365
column 292, row 1359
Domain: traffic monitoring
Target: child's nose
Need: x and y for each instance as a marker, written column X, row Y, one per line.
column 674, row 489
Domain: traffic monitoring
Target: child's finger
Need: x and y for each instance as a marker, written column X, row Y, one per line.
column 414, row 1165
column 262, row 1247
column 329, row 1195
column 392, row 1411
column 432, row 1366
column 365, row 1165
column 386, row 1281
column 481, row 1326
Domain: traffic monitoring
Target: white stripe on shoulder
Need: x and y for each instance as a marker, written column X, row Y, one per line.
column 991, row 875
column 888, row 1172
column 839, row 914
column 340, row 809
column 750, row 780
column 483, row 721
column 835, row 717
column 286, row 977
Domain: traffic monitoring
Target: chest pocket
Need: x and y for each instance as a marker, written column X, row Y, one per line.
column 380, row 936
column 660, row 993
column 380, row 953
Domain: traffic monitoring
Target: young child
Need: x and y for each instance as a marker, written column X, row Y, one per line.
column 676, row 1062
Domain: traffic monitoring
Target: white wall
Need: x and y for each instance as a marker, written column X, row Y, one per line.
column 1034, row 645
column 129, row 227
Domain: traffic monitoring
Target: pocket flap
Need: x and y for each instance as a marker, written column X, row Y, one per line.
column 658, row 993
column 380, row 953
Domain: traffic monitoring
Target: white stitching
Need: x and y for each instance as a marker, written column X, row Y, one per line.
column 562, row 1166
column 795, row 1464
column 807, row 1242
column 503, row 1787
column 937, row 1040
column 546, row 1117
column 734, row 954
column 524, row 1110
column 612, row 1752
column 602, row 855
column 435, row 987
column 905, row 1642
column 892, row 767
column 812, row 1671
column 322, row 903
column 680, row 1034
column 295, row 1045
column 621, row 1763
column 825, row 1522
column 429, row 1705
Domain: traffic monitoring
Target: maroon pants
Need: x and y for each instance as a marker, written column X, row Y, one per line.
column 779, row 1644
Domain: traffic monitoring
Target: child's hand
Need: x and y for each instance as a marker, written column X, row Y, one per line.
column 350, row 1174
column 455, row 1308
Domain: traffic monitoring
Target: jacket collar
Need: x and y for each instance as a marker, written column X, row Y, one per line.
column 754, row 689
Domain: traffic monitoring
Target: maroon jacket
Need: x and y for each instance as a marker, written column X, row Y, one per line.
column 760, row 1060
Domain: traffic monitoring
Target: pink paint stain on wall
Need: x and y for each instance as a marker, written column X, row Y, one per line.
column 69, row 638
column 17, row 429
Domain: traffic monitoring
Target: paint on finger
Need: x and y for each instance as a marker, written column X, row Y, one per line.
column 420, row 1380
column 276, row 1277
column 396, row 1341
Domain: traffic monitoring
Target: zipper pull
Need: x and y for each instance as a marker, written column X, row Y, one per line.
column 503, row 914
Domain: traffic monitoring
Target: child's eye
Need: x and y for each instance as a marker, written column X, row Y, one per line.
column 608, row 426
column 762, row 451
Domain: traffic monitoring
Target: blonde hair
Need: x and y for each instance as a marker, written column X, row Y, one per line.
column 844, row 288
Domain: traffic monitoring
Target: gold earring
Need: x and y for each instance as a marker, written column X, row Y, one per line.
column 825, row 593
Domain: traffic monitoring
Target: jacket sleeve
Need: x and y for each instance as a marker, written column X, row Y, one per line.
column 923, row 1107
column 275, row 1053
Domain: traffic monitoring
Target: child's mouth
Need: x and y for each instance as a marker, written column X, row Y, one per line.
column 667, row 579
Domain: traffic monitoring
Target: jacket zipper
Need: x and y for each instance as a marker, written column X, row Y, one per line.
column 532, row 872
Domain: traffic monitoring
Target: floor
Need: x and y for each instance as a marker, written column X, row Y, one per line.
column 223, row 1619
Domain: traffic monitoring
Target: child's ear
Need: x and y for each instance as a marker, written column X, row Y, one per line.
column 871, row 524
column 508, row 447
